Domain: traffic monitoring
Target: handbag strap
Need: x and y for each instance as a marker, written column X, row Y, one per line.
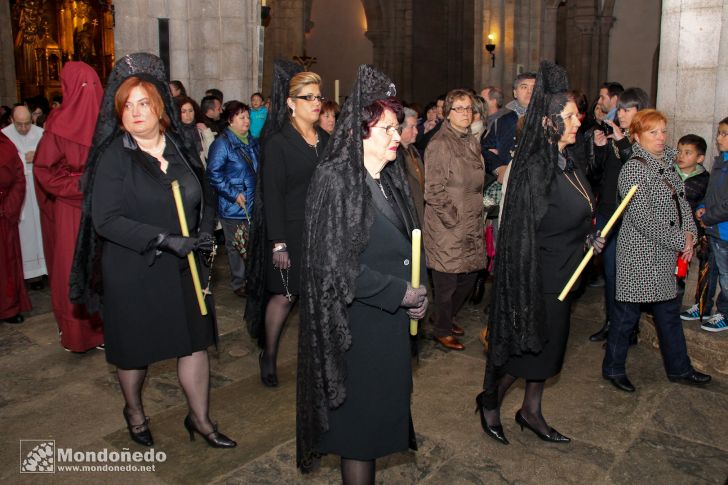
column 671, row 187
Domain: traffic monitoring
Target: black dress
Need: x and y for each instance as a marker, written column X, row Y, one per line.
column 150, row 312
column 374, row 420
column 560, row 238
column 288, row 165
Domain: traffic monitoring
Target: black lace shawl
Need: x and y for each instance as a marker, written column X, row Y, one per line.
column 516, row 323
column 255, row 303
column 85, row 281
column 339, row 215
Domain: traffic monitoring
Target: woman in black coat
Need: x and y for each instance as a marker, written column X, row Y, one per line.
column 290, row 157
column 356, row 300
column 150, row 309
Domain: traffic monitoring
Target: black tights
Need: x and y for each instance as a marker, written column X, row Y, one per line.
column 357, row 472
column 193, row 372
column 276, row 314
column 530, row 408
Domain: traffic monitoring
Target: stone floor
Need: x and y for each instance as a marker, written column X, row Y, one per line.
column 664, row 433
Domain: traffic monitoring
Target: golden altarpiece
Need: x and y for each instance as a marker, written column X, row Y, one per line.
column 49, row 33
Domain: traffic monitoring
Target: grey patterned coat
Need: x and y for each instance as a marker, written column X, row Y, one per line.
column 651, row 237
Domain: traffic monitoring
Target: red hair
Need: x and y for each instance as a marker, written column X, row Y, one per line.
column 155, row 100
column 645, row 120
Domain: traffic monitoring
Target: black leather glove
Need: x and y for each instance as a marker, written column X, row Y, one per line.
column 178, row 245
column 205, row 243
column 414, row 297
column 596, row 241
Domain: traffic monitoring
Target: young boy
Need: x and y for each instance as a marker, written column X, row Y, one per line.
column 713, row 214
column 690, row 157
column 258, row 113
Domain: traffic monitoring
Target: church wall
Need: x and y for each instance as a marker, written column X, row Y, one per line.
column 213, row 43
column 284, row 36
column 8, row 94
column 634, row 38
column 338, row 42
column 694, row 68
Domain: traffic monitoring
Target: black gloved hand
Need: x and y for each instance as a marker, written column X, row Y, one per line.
column 414, row 297
column 596, row 241
column 178, row 245
column 205, row 243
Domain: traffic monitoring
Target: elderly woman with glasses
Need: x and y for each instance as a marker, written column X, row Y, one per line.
column 454, row 176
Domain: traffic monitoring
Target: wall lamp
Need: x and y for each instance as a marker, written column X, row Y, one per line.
column 490, row 47
column 264, row 14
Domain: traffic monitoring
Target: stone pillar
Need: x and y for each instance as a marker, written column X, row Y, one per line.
column 693, row 59
column 284, row 36
column 550, row 17
column 212, row 43
column 8, row 89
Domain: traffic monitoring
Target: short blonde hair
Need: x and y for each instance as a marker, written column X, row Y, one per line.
column 301, row 80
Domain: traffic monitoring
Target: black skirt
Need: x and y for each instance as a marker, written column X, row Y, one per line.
column 549, row 361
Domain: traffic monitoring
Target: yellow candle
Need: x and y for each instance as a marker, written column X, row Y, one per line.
column 190, row 256
column 416, row 248
column 336, row 91
column 590, row 253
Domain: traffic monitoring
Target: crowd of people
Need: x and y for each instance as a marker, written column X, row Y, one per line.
column 317, row 203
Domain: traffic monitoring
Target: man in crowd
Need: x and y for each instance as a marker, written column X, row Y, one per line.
column 500, row 140
column 608, row 98
column 211, row 108
column 25, row 136
column 493, row 97
column 412, row 162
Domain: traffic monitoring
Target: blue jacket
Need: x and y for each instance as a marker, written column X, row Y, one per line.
column 502, row 137
column 230, row 173
column 257, row 120
column 716, row 199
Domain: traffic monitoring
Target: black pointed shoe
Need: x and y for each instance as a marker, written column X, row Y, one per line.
column 495, row 432
column 139, row 433
column 622, row 383
column 214, row 438
column 552, row 436
column 601, row 334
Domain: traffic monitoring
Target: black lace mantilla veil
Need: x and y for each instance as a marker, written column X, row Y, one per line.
column 255, row 303
column 339, row 215
column 516, row 316
column 85, row 281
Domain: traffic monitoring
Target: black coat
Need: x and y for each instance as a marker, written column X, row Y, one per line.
column 150, row 311
column 374, row 420
column 288, row 165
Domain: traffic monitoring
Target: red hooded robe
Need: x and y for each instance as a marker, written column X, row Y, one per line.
column 59, row 163
column 13, row 295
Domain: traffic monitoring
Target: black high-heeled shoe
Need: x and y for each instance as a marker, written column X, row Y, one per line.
column 268, row 380
column 214, row 438
column 553, row 436
column 139, row 433
column 495, row 432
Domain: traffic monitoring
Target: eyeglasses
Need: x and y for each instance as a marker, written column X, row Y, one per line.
column 389, row 129
column 462, row 109
column 722, row 134
column 311, row 97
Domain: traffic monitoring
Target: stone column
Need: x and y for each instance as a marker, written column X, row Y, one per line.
column 693, row 68
column 550, row 16
column 8, row 90
column 212, row 43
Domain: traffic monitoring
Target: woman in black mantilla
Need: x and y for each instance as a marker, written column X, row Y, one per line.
column 354, row 373
column 546, row 227
column 290, row 156
column 130, row 253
